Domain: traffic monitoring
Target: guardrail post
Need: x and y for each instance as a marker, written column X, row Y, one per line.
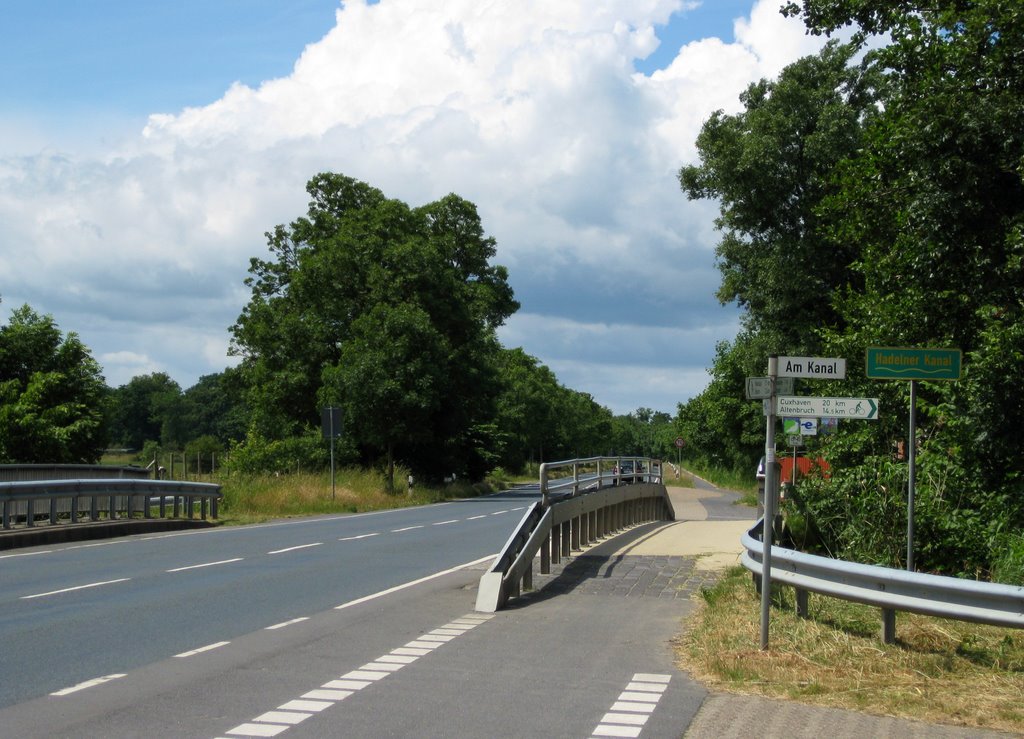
column 566, row 539
column 30, row 512
column 802, row 610
column 574, row 533
column 555, row 540
column 7, row 514
column 888, row 626
column 112, row 509
column 545, row 556
column 53, row 510
column 528, row 577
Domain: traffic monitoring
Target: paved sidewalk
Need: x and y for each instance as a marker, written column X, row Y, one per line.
column 674, row 561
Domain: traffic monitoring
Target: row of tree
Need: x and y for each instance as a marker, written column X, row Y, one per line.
column 366, row 304
column 873, row 195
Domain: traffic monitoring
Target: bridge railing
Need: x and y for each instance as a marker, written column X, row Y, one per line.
column 598, row 500
column 51, row 502
column 887, row 588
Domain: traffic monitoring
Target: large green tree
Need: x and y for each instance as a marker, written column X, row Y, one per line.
column 147, row 408
column 386, row 310
column 51, row 394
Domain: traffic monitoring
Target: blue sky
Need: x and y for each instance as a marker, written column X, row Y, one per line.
column 146, row 147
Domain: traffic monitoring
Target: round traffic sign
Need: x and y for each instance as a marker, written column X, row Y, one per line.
column 680, row 442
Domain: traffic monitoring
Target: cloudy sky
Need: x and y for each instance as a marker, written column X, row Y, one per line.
column 145, row 148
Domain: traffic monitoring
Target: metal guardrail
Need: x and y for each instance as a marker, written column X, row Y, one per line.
column 53, row 502
column 594, row 506
column 595, row 473
column 889, row 589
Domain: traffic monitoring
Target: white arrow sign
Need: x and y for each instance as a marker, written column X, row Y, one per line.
column 862, row 408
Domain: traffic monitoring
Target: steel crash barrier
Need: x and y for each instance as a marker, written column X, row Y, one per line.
column 52, row 502
column 889, row 589
column 582, row 500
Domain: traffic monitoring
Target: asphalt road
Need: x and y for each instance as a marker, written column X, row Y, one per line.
column 74, row 613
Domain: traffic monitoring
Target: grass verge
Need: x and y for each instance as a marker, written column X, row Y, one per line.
column 939, row 670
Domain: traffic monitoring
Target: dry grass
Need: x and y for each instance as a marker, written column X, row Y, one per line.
column 253, row 499
column 939, row 670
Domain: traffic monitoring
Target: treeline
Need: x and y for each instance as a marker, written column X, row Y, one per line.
column 385, row 311
column 872, row 195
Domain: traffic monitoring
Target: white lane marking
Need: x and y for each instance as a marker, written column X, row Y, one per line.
column 293, row 712
column 629, row 713
column 206, row 564
column 200, row 650
column 305, row 705
column 326, row 694
column 412, row 583
column 27, row 554
column 498, row 513
column 258, row 729
column 88, row 684
column 407, row 528
column 430, row 645
column 520, row 508
column 77, row 587
column 292, row 549
column 449, row 632
column 436, row 637
column 474, row 518
column 442, row 523
column 361, row 536
column 283, row 717
column 287, row 623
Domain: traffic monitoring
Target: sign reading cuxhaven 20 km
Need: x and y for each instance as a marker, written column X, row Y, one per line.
column 888, row 363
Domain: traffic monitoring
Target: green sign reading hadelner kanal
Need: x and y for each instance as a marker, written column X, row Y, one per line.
column 889, row 363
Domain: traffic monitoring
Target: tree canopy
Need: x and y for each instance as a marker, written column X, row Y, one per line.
column 911, row 233
column 51, row 394
column 385, row 310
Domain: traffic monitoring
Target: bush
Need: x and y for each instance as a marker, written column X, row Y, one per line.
column 259, row 455
column 1008, row 559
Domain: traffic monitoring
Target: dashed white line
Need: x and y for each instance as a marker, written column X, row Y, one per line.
column 296, row 711
column 634, row 706
column 287, row 623
column 77, row 587
column 407, row 528
column 498, row 513
column 88, row 684
column 206, row 564
column 361, row 536
column 200, row 650
column 292, row 549
column 443, row 523
column 474, row 518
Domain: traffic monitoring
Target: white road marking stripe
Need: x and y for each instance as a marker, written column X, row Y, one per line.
column 410, row 651
column 633, row 707
column 442, row 523
column 397, row 659
column 258, row 730
column 305, row 705
column 292, row 549
column 636, row 719
column 346, row 684
column 609, row 730
column 646, row 677
column 206, row 564
column 498, row 513
column 640, row 697
column 407, row 528
column 474, row 518
column 76, row 588
column 431, row 645
column 207, row 648
column 361, row 536
column 647, row 687
column 283, row 717
column 382, row 666
column 411, row 583
column 27, row 554
column 88, row 684
column 365, row 675
column 287, row 623
column 436, row 637
column 449, row 632
column 327, row 695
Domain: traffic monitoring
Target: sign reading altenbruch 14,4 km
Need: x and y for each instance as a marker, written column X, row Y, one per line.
column 865, row 409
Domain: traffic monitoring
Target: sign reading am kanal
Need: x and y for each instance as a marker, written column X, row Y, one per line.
column 863, row 408
column 814, row 367
column 890, row 363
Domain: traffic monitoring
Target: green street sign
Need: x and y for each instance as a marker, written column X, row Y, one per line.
column 893, row 363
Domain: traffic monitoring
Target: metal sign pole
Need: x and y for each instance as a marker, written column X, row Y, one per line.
column 770, row 485
column 331, row 414
column 912, row 469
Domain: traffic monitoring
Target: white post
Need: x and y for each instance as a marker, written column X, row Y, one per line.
column 770, row 485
